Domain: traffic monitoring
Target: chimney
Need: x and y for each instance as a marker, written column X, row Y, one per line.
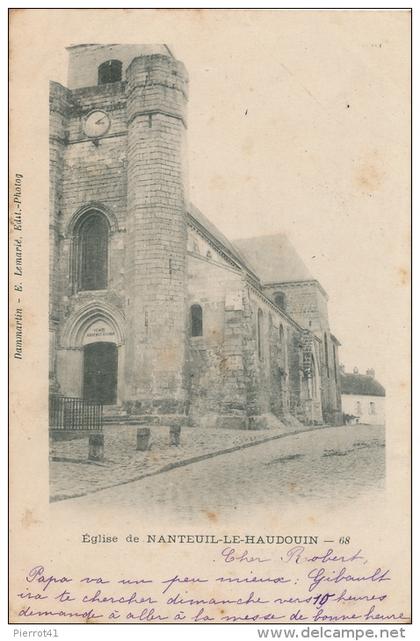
column 355, row 370
column 370, row 372
column 342, row 368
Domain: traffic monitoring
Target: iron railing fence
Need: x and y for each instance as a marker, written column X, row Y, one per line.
column 75, row 414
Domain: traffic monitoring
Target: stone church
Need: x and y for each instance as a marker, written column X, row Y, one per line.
column 153, row 312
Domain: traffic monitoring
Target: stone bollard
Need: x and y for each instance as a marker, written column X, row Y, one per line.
column 143, row 436
column 175, row 434
column 96, row 447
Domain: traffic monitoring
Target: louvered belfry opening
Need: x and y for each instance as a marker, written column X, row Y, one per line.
column 109, row 71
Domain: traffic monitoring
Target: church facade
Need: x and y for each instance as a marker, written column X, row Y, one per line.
column 153, row 312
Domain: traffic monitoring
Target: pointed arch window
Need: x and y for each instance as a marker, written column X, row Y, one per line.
column 91, row 256
column 196, row 320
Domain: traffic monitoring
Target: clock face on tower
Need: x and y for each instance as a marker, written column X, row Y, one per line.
column 96, row 124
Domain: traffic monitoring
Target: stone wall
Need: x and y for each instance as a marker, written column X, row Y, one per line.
column 215, row 363
column 60, row 104
column 90, row 176
column 240, row 377
column 157, row 239
column 307, row 303
column 276, row 380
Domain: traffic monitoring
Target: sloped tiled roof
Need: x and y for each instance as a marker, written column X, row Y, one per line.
column 238, row 252
column 274, row 259
column 217, row 235
column 361, row 384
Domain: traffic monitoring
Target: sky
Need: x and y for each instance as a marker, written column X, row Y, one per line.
column 301, row 130
column 298, row 122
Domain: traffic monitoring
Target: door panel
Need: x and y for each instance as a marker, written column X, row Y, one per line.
column 100, row 373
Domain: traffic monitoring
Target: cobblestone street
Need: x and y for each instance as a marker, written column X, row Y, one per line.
column 326, row 465
column 71, row 474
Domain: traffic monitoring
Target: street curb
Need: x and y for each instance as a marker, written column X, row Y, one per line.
column 189, row 461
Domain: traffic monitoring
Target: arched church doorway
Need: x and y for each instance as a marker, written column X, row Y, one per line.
column 100, row 372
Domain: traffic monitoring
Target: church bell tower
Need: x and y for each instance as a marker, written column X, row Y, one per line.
column 119, row 240
column 156, row 241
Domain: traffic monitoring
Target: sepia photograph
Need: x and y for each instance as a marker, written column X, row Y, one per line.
column 210, row 293
column 171, row 344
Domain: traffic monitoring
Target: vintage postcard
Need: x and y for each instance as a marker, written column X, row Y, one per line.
column 210, row 316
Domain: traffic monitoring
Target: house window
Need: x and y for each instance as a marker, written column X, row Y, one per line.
column 372, row 408
column 109, row 71
column 196, row 320
column 359, row 408
column 326, row 354
column 259, row 333
column 280, row 300
column 92, row 252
